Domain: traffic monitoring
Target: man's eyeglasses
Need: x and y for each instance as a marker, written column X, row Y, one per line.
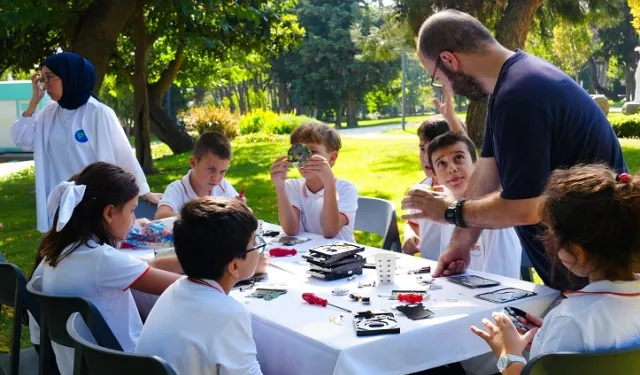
column 434, row 83
column 258, row 245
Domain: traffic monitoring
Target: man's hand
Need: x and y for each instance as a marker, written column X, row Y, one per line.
column 452, row 261
column 320, row 166
column 411, row 245
column 502, row 336
column 430, row 205
column 278, row 170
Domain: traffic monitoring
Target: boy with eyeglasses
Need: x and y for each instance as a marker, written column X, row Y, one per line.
column 195, row 325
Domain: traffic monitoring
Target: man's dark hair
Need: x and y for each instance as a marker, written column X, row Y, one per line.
column 450, row 139
column 453, row 31
column 210, row 233
column 432, row 127
column 214, row 143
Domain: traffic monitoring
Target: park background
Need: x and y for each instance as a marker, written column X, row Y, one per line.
column 256, row 69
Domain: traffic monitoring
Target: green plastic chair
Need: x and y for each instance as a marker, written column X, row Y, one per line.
column 610, row 362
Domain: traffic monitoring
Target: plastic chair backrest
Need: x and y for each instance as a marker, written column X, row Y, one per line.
column 378, row 216
column 525, row 267
column 55, row 311
column 609, row 362
column 145, row 210
column 97, row 360
column 13, row 293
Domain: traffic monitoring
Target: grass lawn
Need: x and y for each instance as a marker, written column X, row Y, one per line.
column 398, row 120
column 379, row 167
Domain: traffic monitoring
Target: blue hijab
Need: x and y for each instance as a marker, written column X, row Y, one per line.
column 78, row 78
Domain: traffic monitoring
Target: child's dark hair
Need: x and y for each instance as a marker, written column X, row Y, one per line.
column 586, row 206
column 106, row 184
column 317, row 132
column 214, row 143
column 449, row 139
column 210, row 233
column 432, row 127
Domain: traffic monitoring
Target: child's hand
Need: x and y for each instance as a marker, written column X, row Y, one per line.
column 531, row 321
column 502, row 336
column 278, row 170
column 446, row 109
column 319, row 166
column 411, row 245
column 153, row 198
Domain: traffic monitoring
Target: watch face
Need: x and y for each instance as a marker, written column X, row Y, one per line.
column 502, row 363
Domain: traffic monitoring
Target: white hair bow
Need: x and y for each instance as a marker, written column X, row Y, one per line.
column 64, row 198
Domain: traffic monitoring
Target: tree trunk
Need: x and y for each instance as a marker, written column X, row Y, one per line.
column 94, row 33
column 338, row 117
column 140, row 96
column 198, row 93
column 352, row 118
column 283, row 97
column 630, row 83
column 245, row 88
column 241, row 99
column 511, row 32
column 610, row 94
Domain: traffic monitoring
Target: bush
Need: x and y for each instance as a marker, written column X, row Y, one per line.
column 285, row 123
column 256, row 121
column 211, row 118
column 626, row 126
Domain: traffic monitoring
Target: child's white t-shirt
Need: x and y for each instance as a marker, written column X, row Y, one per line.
column 180, row 192
column 309, row 205
column 102, row 275
column 497, row 251
column 429, row 233
column 592, row 322
column 200, row 330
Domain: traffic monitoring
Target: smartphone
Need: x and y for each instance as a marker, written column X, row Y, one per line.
column 514, row 313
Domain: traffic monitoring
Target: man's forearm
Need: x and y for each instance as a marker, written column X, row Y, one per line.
column 494, row 212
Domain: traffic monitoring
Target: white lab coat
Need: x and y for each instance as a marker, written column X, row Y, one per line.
column 105, row 141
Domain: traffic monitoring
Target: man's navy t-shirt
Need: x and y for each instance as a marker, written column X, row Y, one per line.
column 538, row 120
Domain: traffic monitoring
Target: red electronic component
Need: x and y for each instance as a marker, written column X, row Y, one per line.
column 410, row 298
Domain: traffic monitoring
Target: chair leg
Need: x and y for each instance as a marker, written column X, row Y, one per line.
column 525, row 274
column 14, row 360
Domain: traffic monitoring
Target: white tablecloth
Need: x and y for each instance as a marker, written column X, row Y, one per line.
column 293, row 337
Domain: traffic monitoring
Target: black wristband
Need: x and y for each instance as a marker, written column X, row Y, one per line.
column 453, row 214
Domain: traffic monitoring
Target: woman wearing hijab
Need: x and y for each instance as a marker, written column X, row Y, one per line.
column 71, row 132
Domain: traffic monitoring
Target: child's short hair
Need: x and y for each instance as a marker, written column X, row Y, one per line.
column 588, row 206
column 214, row 143
column 106, row 184
column 432, row 127
column 317, row 132
column 449, row 139
column 210, row 233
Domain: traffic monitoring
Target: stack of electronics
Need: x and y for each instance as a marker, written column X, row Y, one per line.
column 335, row 261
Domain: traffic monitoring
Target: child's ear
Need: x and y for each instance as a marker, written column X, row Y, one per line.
column 233, row 269
column 192, row 162
column 333, row 156
column 108, row 213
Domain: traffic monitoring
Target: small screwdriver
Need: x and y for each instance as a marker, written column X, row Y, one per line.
column 312, row 299
column 281, row 252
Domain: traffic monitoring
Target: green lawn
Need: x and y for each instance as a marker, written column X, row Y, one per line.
column 397, row 120
column 379, row 167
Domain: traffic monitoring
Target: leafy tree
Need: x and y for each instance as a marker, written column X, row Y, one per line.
column 511, row 21
column 572, row 46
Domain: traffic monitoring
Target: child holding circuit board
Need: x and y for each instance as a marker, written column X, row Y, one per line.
column 318, row 202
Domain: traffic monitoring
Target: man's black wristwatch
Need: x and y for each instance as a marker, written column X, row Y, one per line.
column 453, row 214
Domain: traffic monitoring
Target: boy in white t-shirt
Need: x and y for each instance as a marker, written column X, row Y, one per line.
column 422, row 235
column 209, row 162
column 195, row 325
column 452, row 156
column 318, row 202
